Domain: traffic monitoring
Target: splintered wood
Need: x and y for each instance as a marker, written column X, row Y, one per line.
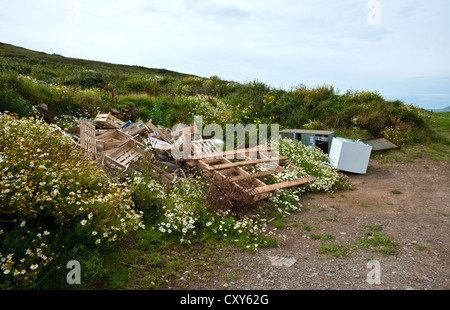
column 227, row 167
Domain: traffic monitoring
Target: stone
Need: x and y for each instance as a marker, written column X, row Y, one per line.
column 282, row 261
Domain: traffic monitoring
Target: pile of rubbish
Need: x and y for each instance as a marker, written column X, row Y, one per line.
column 121, row 145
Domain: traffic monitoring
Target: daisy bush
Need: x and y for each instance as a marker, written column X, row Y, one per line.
column 182, row 215
column 311, row 161
column 53, row 200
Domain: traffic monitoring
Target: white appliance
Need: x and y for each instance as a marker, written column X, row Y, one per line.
column 349, row 155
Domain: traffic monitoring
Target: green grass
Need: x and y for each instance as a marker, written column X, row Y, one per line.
column 335, row 249
column 354, row 114
column 378, row 241
column 421, row 247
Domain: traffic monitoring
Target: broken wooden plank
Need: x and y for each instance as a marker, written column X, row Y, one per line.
column 135, row 129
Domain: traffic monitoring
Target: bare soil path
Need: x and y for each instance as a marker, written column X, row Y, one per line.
column 416, row 217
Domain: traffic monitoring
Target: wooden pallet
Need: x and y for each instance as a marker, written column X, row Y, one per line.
column 225, row 167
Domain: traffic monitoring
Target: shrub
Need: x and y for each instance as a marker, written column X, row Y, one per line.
column 14, row 103
column 56, row 205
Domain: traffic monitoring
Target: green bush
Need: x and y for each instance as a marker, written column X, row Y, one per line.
column 87, row 79
column 14, row 103
column 56, row 206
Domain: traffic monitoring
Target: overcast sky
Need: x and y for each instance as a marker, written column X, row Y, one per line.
column 399, row 48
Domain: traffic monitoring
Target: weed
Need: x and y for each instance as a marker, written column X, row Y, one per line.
column 421, row 247
column 373, row 227
column 324, row 237
column 315, row 237
column 380, row 242
column 331, row 219
column 335, row 249
column 397, row 192
column 279, row 224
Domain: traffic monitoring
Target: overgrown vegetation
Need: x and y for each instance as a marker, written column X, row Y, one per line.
column 58, row 206
column 83, row 88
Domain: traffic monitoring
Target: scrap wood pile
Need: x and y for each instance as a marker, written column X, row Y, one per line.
column 121, row 145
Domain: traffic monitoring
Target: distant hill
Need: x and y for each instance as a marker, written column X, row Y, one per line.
column 447, row 109
column 31, row 57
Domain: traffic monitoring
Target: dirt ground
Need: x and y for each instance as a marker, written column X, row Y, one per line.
column 417, row 220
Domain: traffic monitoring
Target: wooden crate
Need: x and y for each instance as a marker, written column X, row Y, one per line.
column 136, row 129
column 109, row 121
column 87, row 137
column 112, row 139
column 159, row 132
column 123, row 156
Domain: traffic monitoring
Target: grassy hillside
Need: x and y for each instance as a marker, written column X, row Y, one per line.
column 74, row 87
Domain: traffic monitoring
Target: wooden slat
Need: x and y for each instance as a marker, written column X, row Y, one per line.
column 247, row 162
column 283, row 185
column 87, row 137
column 158, row 131
column 252, row 175
column 232, row 153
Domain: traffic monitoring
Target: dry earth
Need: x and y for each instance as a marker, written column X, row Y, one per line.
column 417, row 220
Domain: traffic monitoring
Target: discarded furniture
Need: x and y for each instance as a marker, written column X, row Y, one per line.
column 350, row 155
